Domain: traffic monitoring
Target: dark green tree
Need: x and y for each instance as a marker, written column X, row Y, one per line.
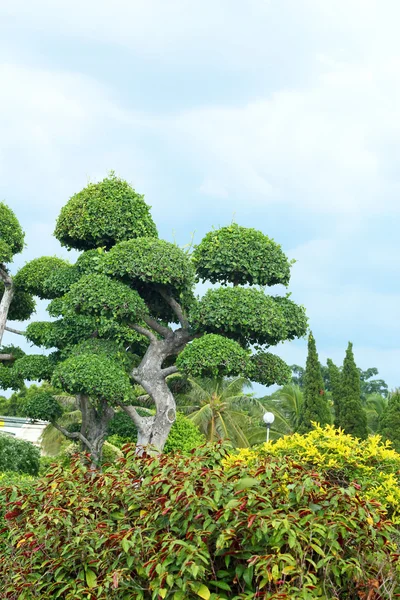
column 351, row 418
column 372, row 386
column 127, row 314
column 315, row 406
column 389, row 422
column 335, row 388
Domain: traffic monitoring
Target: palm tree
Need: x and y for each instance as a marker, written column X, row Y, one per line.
column 220, row 408
column 375, row 405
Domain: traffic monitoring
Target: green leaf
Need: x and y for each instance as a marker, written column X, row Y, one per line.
column 203, row 592
column 246, row 482
column 91, row 578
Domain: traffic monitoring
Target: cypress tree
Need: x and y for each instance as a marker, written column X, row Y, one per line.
column 315, row 406
column 389, row 423
column 351, row 418
column 335, row 387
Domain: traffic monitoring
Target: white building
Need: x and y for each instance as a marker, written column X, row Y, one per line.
column 23, row 429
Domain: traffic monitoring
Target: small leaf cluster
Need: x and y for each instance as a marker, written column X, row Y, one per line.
column 18, row 455
column 268, row 369
column 60, row 281
column 32, row 276
column 34, row 367
column 98, row 295
column 22, row 305
column 182, row 527
column 150, row 261
column 11, row 234
column 96, row 376
column 213, row 356
column 241, row 255
column 103, row 214
column 43, row 406
column 248, row 316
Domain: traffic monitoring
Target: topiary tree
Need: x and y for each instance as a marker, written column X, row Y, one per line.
column 352, row 418
column 136, row 291
column 15, row 304
column 18, row 455
column 315, row 406
column 389, row 421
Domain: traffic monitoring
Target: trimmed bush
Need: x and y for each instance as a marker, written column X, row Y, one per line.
column 18, row 455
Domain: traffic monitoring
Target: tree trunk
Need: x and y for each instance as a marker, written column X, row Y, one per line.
column 153, row 431
column 95, row 421
column 5, row 301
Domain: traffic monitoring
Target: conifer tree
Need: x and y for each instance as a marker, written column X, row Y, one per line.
column 389, row 423
column 352, row 418
column 335, row 387
column 315, row 407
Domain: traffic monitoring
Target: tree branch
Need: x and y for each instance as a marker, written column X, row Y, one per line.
column 132, row 413
column 143, row 331
column 176, row 307
column 73, row 435
column 6, row 357
column 15, row 331
column 156, row 326
column 169, row 371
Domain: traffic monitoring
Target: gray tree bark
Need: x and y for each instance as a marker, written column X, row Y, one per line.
column 153, row 431
column 6, row 299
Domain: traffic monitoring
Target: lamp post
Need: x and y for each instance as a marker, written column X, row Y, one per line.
column 268, row 418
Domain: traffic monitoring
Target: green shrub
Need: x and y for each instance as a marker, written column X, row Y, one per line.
column 18, row 455
column 184, row 435
column 184, row 527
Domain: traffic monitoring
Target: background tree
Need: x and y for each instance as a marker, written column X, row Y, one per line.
column 372, row 386
column 218, row 408
column 351, row 418
column 389, row 422
column 335, row 388
column 375, row 406
column 315, row 406
column 133, row 290
column 287, row 406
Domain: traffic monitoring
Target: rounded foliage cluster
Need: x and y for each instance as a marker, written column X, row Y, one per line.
column 42, row 406
column 32, row 276
column 103, row 347
column 18, row 455
column 150, row 260
column 39, row 333
column 248, row 316
column 213, row 356
column 96, row 376
column 60, row 281
column 34, row 367
column 90, row 261
column 11, row 234
column 98, row 295
column 10, row 378
column 103, row 214
column 182, row 527
column 241, row 255
column 268, row 369
column 22, row 305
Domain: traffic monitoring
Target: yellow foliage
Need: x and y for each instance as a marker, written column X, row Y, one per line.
column 370, row 463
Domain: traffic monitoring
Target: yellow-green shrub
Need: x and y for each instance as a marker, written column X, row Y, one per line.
column 370, row 463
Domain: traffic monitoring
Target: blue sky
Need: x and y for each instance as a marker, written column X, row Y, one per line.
column 283, row 115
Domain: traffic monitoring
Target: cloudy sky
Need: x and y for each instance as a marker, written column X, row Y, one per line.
column 283, row 115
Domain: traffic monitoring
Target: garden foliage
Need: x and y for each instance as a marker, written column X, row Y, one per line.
column 18, row 455
column 372, row 465
column 188, row 528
